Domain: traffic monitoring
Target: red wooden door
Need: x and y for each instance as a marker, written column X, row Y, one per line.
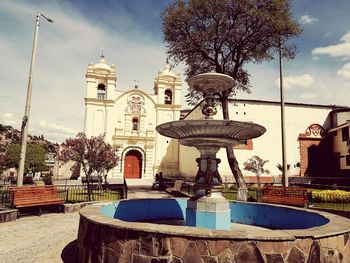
column 132, row 165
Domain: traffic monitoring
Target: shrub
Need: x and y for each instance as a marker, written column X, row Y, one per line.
column 47, row 179
column 331, row 196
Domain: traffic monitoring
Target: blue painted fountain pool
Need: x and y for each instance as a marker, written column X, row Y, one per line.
column 172, row 210
column 155, row 229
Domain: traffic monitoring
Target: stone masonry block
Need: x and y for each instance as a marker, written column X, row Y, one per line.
column 218, row 246
column 178, row 246
column 192, row 254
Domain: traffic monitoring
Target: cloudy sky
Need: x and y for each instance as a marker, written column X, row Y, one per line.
column 130, row 35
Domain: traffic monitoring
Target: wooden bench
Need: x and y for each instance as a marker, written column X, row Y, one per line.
column 93, row 179
column 180, row 189
column 35, row 196
column 295, row 196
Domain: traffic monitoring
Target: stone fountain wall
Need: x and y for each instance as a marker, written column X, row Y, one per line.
column 107, row 242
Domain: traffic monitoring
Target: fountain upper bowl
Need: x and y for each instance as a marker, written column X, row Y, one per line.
column 211, row 82
column 210, row 132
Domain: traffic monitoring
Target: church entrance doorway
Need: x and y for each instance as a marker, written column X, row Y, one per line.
column 133, row 165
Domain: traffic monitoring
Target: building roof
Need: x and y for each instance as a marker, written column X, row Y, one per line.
column 347, row 124
column 329, row 106
column 342, row 109
column 185, row 112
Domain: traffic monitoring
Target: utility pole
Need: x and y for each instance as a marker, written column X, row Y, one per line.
column 283, row 130
column 24, row 127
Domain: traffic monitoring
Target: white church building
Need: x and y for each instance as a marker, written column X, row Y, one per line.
column 128, row 119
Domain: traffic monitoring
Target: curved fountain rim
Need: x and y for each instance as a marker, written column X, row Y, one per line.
column 206, row 122
column 212, row 122
column 337, row 225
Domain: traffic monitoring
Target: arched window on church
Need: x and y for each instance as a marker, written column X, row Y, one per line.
column 101, row 91
column 168, row 97
column 135, row 124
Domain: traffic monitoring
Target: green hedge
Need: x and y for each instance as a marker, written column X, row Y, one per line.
column 330, row 196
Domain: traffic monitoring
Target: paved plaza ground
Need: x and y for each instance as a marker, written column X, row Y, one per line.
column 49, row 238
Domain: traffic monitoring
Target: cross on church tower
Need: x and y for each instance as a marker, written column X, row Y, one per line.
column 136, row 81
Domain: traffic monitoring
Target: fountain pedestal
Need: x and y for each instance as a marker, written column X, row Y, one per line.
column 208, row 208
column 211, row 211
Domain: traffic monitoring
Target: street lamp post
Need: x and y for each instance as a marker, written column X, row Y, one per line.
column 283, row 125
column 24, row 127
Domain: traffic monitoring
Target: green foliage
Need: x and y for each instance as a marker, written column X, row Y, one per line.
column 3, row 162
column 35, row 157
column 224, row 35
column 92, row 154
column 280, row 167
column 47, row 179
column 256, row 165
column 252, row 194
column 77, row 195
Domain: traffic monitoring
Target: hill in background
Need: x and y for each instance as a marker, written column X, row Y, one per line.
column 10, row 135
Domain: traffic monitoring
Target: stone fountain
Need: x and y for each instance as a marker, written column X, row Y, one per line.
column 207, row 228
column 208, row 208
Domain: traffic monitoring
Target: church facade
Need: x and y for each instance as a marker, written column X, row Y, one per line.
column 128, row 120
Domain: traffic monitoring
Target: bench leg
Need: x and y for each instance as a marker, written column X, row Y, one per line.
column 18, row 214
column 39, row 212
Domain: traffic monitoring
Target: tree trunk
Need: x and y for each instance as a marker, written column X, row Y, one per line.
column 88, row 181
column 232, row 160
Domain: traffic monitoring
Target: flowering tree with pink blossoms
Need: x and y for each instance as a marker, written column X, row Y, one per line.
column 93, row 155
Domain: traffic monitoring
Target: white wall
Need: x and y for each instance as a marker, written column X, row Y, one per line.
column 269, row 146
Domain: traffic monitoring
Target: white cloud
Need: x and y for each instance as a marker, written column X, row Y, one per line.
column 53, row 131
column 65, row 48
column 339, row 50
column 303, row 81
column 9, row 119
column 308, row 95
column 344, row 71
column 317, row 94
column 56, row 128
column 307, row 19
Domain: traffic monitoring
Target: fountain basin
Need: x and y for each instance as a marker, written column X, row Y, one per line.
column 141, row 229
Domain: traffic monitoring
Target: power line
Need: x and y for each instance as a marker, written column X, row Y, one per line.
column 41, row 99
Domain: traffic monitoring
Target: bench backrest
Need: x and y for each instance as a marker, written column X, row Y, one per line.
column 30, row 192
column 285, row 191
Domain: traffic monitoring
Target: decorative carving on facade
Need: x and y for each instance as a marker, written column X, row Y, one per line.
column 315, row 130
column 135, row 105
